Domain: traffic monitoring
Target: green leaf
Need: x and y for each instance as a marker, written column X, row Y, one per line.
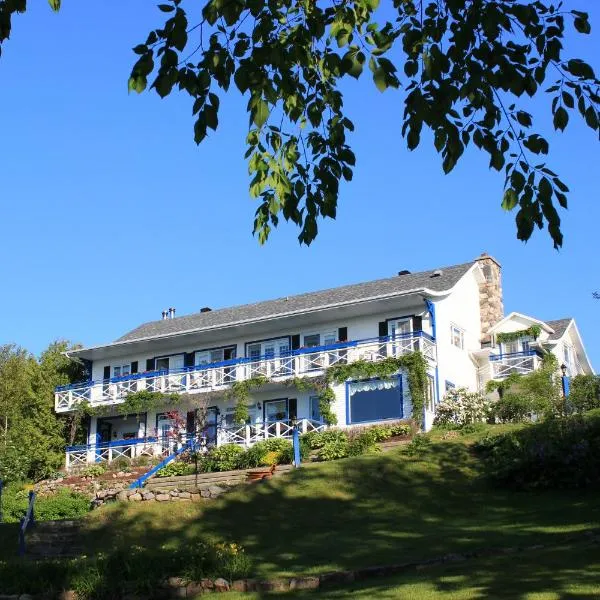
column 54, row 5
column 260, row 113
column 510, row 199
column 166, row 7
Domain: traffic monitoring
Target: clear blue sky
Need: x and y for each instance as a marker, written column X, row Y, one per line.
column 110, row 212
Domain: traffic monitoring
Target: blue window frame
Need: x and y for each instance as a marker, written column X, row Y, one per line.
column 374, row 400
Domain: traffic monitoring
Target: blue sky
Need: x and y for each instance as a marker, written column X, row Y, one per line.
column 110, row 212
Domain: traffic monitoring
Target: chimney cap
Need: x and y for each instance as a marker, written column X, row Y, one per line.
column 437, row 273
column 205, row 309
column 404, row 272
column 485, row 256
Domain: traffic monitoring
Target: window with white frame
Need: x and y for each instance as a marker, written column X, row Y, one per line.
column 567, row 355
column 321, row 338
column 457, row 335
column 375, row 400
column 121, row 370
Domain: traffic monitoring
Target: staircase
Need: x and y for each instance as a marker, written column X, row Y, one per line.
column 53, row 539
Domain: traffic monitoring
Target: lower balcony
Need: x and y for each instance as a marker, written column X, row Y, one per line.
column 220, row 376
column 522, row 363
column 160, row 447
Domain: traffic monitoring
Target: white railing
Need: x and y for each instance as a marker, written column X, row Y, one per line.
column 247, row 435
column 503, row 365
column 304, row 362
column 106, row 452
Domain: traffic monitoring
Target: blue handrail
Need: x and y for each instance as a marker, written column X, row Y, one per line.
column 513, row 355
column 246, row 359
column 26, row 521
column 138, row 483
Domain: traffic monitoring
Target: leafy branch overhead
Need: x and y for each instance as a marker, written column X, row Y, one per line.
column 464, row 68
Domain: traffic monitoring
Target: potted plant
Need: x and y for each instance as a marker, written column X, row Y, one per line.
column 267, row 468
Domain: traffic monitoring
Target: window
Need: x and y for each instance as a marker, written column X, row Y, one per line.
column 268, row 348
column 567, row 354
column 314, row 408
column 275, row 410
column 449, row 385
column 325, row 338
column 458, row 336
column 122, row 370
column 399, row 327
column 430, row 400
column 374, row 400
column 216, row 355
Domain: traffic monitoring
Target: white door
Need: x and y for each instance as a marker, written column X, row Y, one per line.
column 399, row 331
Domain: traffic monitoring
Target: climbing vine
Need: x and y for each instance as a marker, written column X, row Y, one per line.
column 240, row 390
column 413, row 363
column 136, row 403
column 511, row 336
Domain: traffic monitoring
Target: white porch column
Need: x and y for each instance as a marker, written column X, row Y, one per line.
column 91, row 440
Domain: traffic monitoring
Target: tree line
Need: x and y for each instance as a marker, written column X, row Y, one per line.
column 32, row 436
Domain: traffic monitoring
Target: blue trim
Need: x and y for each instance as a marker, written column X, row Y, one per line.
column 245, row 360
column 138, row 483
column 431, row 310
column 437, row 384
column 512, row 354
column 113, row 444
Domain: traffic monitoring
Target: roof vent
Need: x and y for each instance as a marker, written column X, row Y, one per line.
column 205, row 309
column 171, row 313
column 165, row 314
column 437, row 273
column 404, row 272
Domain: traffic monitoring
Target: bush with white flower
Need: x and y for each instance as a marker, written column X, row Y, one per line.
column 462, row 407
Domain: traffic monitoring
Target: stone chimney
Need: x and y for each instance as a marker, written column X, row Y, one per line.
column 491, row 306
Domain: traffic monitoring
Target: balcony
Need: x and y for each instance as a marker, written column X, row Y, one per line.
column 503, row 365
column 220, row 376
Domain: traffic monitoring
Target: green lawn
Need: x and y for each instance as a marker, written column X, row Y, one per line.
column 552, row 574
column 357, row 512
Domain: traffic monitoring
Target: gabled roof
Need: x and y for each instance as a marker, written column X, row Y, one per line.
column 560, row 326
column 434, row 282
column 543, row 324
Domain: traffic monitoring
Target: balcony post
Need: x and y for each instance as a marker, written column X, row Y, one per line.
column 247, row 436
column 304, row 425
column 67, row 460
column 278, row 429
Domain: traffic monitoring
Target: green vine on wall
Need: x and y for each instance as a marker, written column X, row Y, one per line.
column 413, row 363
column 137, row 403
column 534, row 331
column 240, row 390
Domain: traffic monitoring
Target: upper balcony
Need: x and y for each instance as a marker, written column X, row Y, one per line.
column 220, row 376
column 503, row 365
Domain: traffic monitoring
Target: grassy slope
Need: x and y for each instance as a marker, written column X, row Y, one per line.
column 356, row 512
column 551, row 574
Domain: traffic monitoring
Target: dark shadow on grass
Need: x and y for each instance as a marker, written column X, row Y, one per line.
column 374, row 510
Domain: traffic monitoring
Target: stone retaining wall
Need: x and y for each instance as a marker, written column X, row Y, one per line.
column 191, row 488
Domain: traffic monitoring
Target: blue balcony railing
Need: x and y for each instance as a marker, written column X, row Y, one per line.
column 304, row 361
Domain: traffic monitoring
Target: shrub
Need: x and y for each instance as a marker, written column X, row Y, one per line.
column 584, row 394
column 562, row 452
column 513, row 408
column 223, row 458
column 461, row 407
column 365, row 442
column 402, row 430
column 93, row 471
column 64, row 504
column 176, row 468
column 317, row 439
column 334, row 449
column 419, row 445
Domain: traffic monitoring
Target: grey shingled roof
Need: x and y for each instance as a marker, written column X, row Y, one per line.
column 559, row 326
column 304, row 302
